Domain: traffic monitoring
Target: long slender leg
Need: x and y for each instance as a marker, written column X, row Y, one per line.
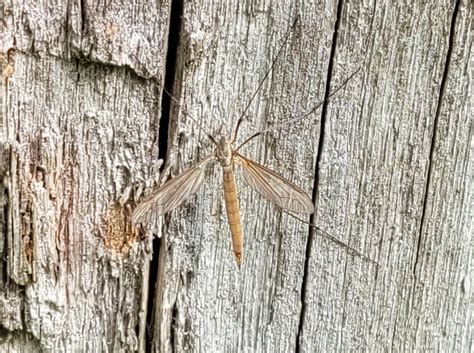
column 241, row 118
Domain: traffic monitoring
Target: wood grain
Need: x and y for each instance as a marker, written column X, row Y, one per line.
column 379, row 186
column 77, row 129
column 225, row 50
column 389, row 159
column 371, row 179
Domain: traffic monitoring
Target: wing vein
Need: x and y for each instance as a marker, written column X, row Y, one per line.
column 274, row 187
column 172, row 193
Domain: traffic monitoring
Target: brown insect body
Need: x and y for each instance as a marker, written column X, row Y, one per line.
column 225, row 158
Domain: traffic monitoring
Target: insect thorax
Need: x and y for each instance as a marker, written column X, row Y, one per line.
column 224, row 152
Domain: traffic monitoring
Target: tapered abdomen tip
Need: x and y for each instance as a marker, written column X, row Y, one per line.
column 238, row 259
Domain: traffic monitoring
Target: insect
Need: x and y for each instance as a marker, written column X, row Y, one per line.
column 266, row 182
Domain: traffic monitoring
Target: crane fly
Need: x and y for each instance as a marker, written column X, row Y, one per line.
column 266, row 182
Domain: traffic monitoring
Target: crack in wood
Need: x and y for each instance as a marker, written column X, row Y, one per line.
column 432, row 155
column 312, row 231
column 174, row 322
column 163, row 140
column 83, row 16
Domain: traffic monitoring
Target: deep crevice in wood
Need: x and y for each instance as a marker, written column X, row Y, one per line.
column 433, row 137
column 83, row 16
column 311, row 231
column 163, row 140
column 151, row 293
column 3, row 232
column 173, row 338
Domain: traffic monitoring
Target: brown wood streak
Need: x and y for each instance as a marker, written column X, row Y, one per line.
column 233, row 212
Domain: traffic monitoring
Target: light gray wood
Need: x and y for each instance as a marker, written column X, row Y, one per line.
column 120, row 32
column 79, row 121
column 207, row 304
column 444, row 263
column 372, row 183
column 373, row 192
column 69, row 241
column 75, row 137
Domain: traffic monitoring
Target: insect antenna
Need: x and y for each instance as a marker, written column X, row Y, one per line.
column 241, row 118
column 301, row 116
column 335, row 240
column 185, row 112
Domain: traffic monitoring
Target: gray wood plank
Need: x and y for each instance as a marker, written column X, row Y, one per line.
column 76, row 133
column 79, row 142
column 372, row 188
column 441, row 317
column 205, row 303
column 121, row 33
column 77, row 136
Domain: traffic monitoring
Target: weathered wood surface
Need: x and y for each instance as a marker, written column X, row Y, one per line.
column 77, row 129
column 391, row 157
column 373, row 190
column 395, row 182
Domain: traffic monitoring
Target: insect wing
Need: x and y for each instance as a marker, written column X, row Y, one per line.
column 172, row 193
column 274, row 187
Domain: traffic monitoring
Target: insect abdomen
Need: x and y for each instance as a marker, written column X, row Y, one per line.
column 233, row 211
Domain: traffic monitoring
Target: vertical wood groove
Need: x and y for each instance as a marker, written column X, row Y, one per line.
column 313, row 219
column 158, row 267
column 432, row 153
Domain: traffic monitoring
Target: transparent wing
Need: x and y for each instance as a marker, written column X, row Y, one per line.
column 274, row 187
column 172, row 193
